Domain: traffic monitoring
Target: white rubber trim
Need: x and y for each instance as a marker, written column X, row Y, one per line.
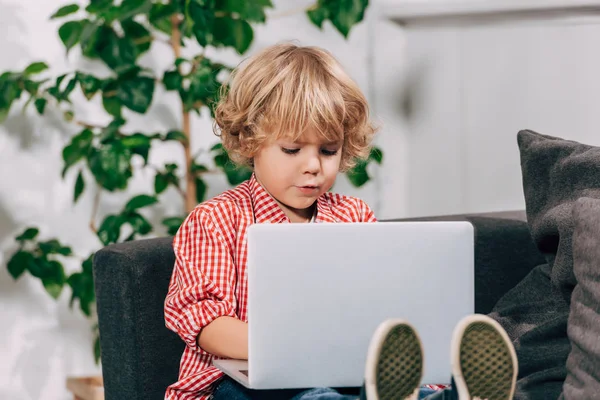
column 374, row 352
column 459, row 330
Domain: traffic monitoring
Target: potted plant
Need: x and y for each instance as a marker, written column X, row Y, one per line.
column 116, row 35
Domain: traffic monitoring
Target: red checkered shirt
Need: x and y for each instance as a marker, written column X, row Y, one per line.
column 210, row 253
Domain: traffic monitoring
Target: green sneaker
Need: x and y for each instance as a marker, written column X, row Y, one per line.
column 394, row 366
column 484, row 362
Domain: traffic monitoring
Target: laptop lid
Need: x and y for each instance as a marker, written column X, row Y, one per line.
column 317, row 292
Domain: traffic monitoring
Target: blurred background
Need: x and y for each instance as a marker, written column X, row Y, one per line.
column 450, row 82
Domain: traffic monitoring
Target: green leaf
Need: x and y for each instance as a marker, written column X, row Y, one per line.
column 172, row 80
column 111, row 104
column 136, row 94
column 198, row 168
column 233, row 32
column 116, row 52
column 53, row 288
column 250, row 10
column 70, row 33
column 318, row 16
column 111, row 166
column 99, row 6
column 89, row 85
column 344, row 14
column 255, row 10
column 53, row 246
column 140, row 201
column 35, row 68
column 90, row 39
column 97, row 350
column 160, row 16
column 88, row 264
column 204, row 86
column 176, row 135
column 235, row 174
column 110, row 229
column 40, row 105
column 161, row 181
column 64, row 11
column 55, row 279
column 9, row 92
column 82, row 286
column 29, row 234
column 111, row 132
column 78, row 148
column 79, row 186
column 32, row 87
column 39, row 267
column 68, row 115
column 131, row 8
column 173, row 224
column 203, row 21
column 139, row 144
column 358, row 175
column 18, row 263
column 376, row 155
column 69, row 88
column 142, row 38
column 180, row 60
column 232, row 6
column 139, row 224
column 200, row 190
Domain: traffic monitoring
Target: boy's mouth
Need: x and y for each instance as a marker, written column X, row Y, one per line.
column 308, row 188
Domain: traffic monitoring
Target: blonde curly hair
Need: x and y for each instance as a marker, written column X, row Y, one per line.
column 286, row 89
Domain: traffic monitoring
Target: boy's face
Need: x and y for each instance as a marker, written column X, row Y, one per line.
column 297, row 173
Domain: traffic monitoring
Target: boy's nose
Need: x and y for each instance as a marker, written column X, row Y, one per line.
column 312, row 164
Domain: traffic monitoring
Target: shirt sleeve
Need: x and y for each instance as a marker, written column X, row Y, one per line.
column 367, row 215
column 202, row 286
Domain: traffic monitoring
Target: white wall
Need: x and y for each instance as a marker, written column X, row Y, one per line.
column 42, row 341
column 475, row 81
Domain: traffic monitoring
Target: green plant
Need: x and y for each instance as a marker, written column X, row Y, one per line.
column 116, row 34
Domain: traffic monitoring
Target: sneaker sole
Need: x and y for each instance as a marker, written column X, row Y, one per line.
column 394, row 366
column 484, row 362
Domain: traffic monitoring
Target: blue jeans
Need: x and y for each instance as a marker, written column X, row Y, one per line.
column 228, row 389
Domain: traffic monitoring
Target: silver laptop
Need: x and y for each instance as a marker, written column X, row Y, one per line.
column 317, row 292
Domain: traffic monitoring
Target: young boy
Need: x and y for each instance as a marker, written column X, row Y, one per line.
column 297, row 119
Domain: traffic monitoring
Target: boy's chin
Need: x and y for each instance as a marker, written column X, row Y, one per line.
column 300, row 204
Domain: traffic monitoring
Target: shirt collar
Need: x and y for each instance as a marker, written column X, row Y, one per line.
column 267, row 210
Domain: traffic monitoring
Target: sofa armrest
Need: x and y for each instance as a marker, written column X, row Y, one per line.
column 504, row 253
column 140, row 356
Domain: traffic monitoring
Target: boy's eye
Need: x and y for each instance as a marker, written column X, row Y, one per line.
column 329, row 152
column 289, row 151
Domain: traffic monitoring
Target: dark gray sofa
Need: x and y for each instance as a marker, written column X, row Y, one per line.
column 140, row 356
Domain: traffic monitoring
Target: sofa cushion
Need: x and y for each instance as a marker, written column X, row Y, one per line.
column 583, row 362
column 556, row 172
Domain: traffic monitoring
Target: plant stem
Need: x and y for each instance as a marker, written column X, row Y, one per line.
column 190, row 187
column 95, row 210
column 87, row 125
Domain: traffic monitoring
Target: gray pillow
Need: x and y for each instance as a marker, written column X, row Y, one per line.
column 556, row 172
column 583, row 363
